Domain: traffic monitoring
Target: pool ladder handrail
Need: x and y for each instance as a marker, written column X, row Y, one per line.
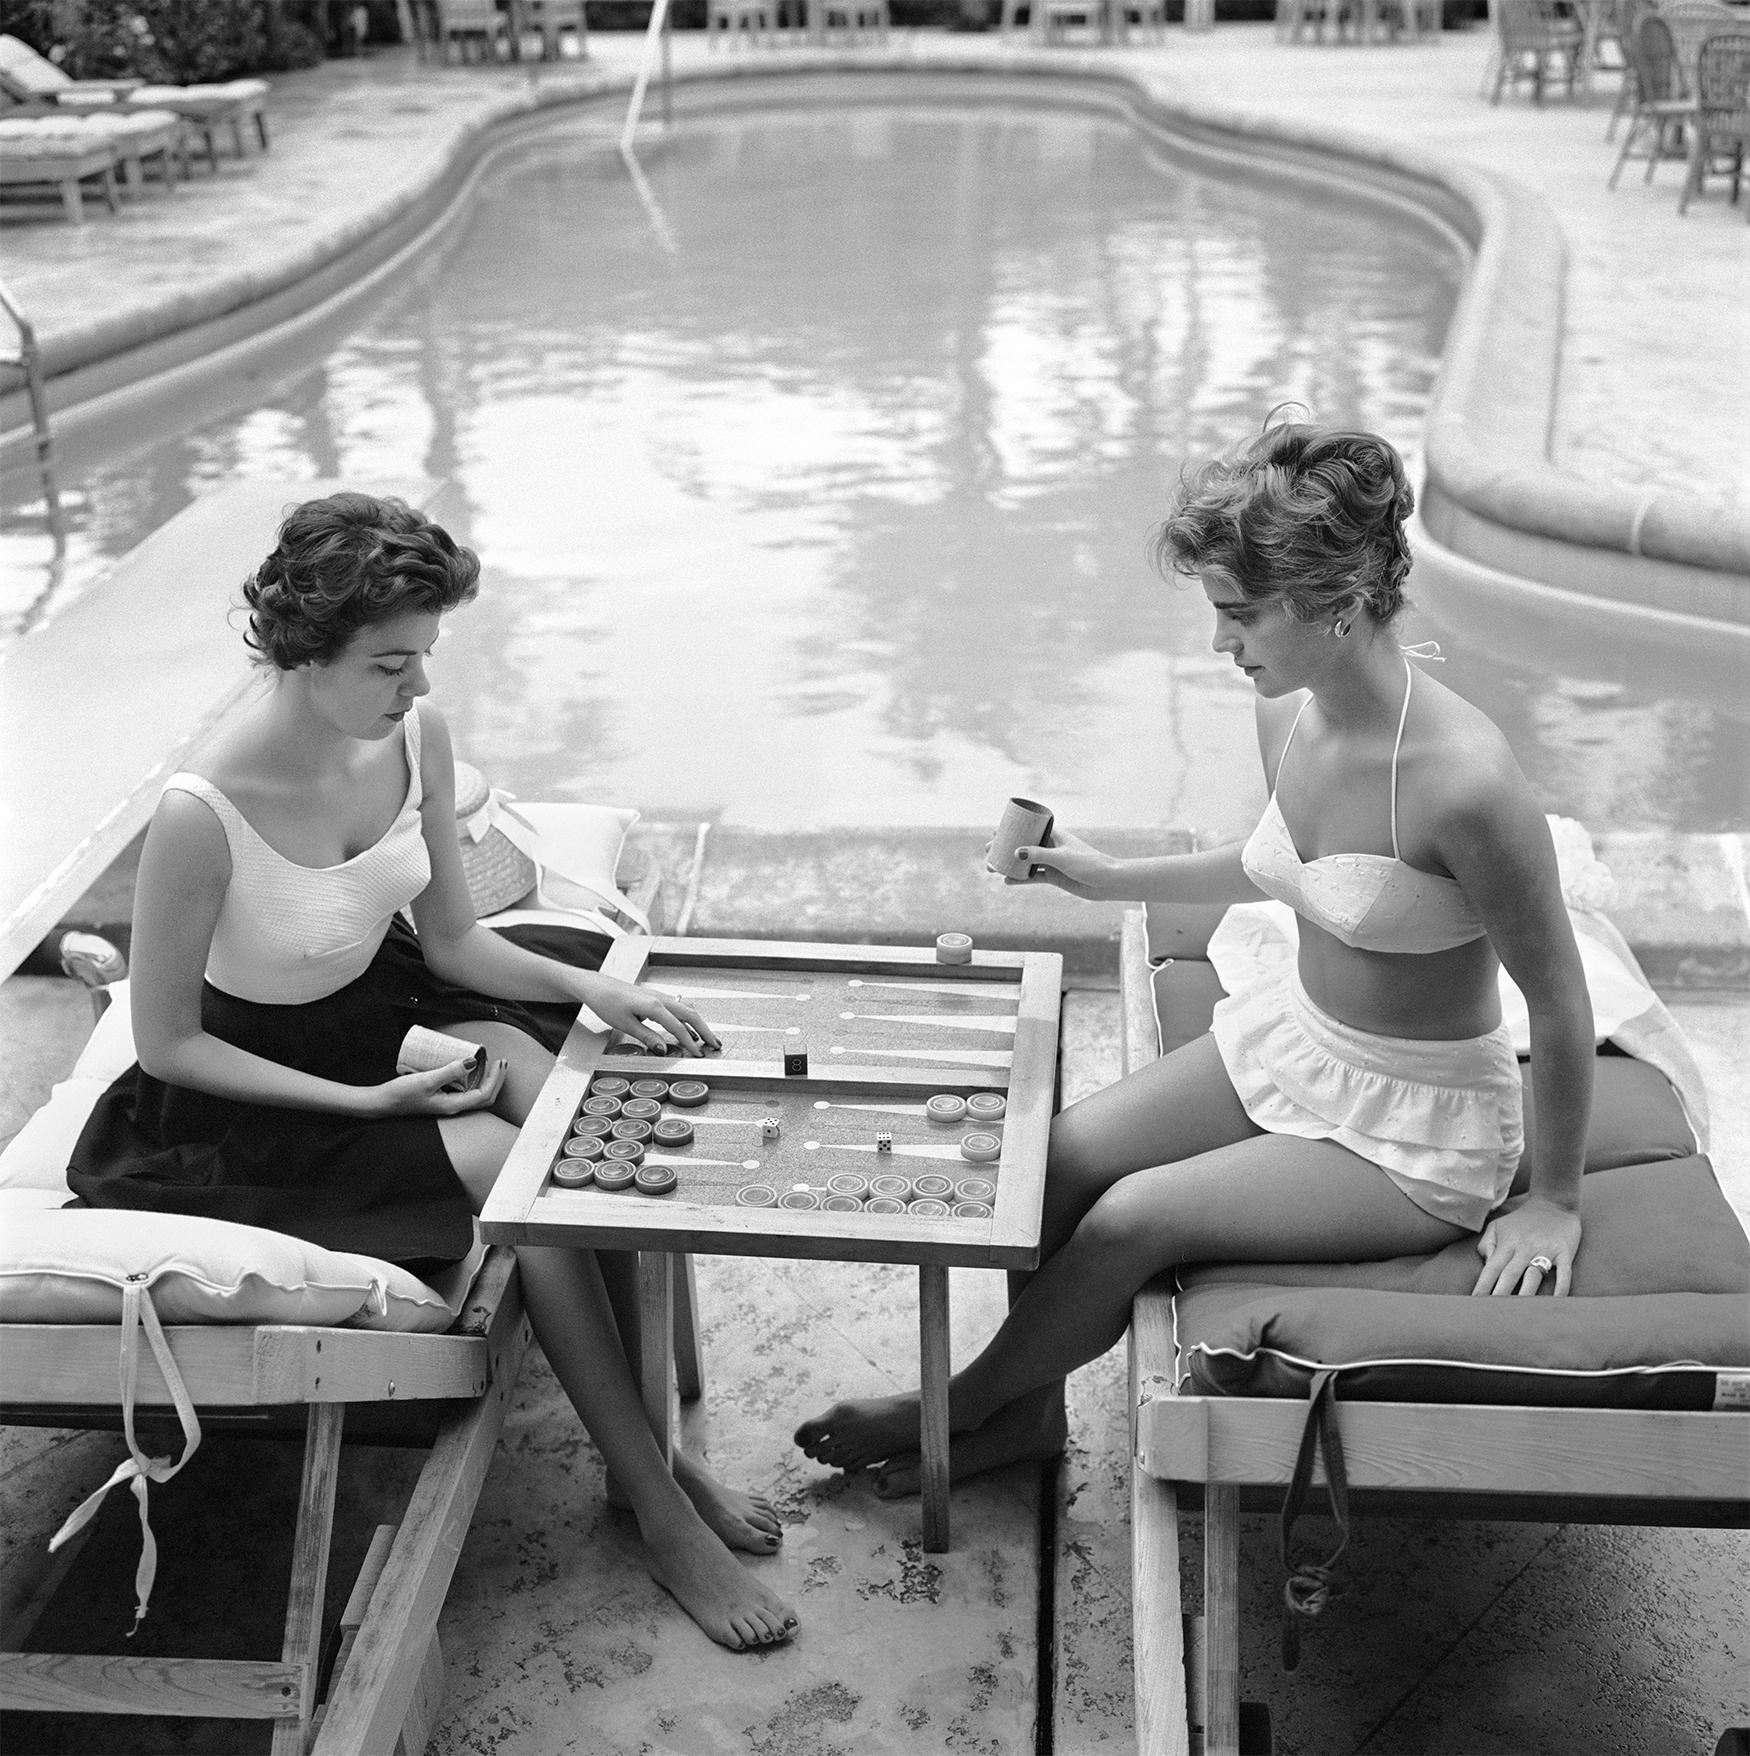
column 29, row 359
column 656, row 46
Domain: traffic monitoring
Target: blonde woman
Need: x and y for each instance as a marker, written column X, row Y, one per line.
column 1369, row 1105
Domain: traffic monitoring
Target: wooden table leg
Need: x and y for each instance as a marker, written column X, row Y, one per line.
column 933, row 1397
column 656, row 1344
column 1221, row 1621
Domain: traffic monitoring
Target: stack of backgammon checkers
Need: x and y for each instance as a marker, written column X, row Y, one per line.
column 618, row 1121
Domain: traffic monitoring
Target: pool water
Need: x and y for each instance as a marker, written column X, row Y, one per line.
column 837, row 511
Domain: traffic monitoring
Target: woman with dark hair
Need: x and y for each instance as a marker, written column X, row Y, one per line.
column 1369, row 1105
column 274, row 979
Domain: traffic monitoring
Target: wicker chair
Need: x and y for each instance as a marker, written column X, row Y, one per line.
column 1692, row 22
column 1629, row 14
column 1721, row 129
column 1661, row 111
column 1533, row 34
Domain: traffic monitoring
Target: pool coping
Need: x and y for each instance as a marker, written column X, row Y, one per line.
column 1492, row 496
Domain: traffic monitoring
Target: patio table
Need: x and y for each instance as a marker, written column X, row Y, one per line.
column 843, row 1065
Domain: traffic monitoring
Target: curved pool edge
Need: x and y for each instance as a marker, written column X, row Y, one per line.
column 1493, row 495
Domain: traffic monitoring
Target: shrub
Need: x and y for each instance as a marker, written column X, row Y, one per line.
column 179, row 41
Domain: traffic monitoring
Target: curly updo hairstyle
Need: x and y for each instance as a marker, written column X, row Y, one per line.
column 344, row 563
column 1301, row 516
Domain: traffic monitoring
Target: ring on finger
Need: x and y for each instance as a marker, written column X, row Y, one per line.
column 1542, row 1264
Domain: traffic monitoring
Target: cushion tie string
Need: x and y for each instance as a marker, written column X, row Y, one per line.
column 139, row 1469
column 1309, row 1585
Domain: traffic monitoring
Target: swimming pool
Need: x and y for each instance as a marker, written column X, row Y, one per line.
column 837, row 513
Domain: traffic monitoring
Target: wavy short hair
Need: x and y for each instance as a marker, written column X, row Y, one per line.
column 1304, row 516
column 344, row 563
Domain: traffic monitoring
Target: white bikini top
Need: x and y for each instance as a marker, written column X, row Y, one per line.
column 1372, row 902
column 286, row 933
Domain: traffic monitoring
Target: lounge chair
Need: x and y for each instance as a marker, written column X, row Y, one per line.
column 28, row 77
column 1237, row 1371
column 448, row 1389
column 64, row 150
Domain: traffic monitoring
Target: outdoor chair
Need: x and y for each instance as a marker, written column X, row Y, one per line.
column 1629, row 14
column 851, row 19
column 1661, row 111
column 1534, row 36
column 1691, row 23
column 27, row 75
column 235, row 103
column 477, row 27
column 373, row 1682
column 1253, row 1386
column 746, row 21
column 1720, row 130
column 1059, row 16
column 553, row 17
column 63, row 151
column 59, row 160
column 1145, row 15
column 1294, row 16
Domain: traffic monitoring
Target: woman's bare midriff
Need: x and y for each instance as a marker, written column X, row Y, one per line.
column 1437, row 996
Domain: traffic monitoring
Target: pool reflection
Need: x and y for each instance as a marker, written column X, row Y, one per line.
column 839, row 513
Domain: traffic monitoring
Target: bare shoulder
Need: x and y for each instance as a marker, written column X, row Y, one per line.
column 185, row 838
column 1461, row 773
column 437, row 757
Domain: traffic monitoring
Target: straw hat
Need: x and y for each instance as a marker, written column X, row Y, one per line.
column 498, row 872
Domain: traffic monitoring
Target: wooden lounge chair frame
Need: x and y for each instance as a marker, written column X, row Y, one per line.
column 387, row 1680
column 1235, row 1454
column 452, row 1388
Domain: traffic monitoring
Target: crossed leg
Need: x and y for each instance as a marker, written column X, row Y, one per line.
column 1162, row 1168
column 687, row 1518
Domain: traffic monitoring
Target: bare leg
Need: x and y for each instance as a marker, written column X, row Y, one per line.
column 1177, row 1106
column 749, row 1522
column 1163, row 1168
column 574, row 1322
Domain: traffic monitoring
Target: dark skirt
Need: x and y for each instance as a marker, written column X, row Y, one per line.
column 383, row 1188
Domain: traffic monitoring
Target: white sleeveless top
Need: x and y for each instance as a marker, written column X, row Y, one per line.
column 286, row 933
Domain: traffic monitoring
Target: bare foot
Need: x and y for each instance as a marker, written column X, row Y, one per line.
column 733, row 1607
column 748, row 1522
column 862, row 1431
column 1024, row 1432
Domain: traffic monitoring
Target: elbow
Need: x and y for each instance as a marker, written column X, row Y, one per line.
column 164, row 1059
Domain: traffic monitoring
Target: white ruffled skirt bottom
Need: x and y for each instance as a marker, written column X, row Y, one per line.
column 1441, row 1119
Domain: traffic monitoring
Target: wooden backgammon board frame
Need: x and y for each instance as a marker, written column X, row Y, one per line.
column 526, row 1208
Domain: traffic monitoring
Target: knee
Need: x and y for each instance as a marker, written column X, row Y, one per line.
column 1074, row 1162
column 1122, row 1233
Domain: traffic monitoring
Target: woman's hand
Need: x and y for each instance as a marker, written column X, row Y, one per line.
column 1069, row 863
column 659, row 1021
column 1516, row 1243
column 426, row 1094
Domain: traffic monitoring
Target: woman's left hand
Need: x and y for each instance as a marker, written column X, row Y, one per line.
column 659, row 1021
column 1517, row 1243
